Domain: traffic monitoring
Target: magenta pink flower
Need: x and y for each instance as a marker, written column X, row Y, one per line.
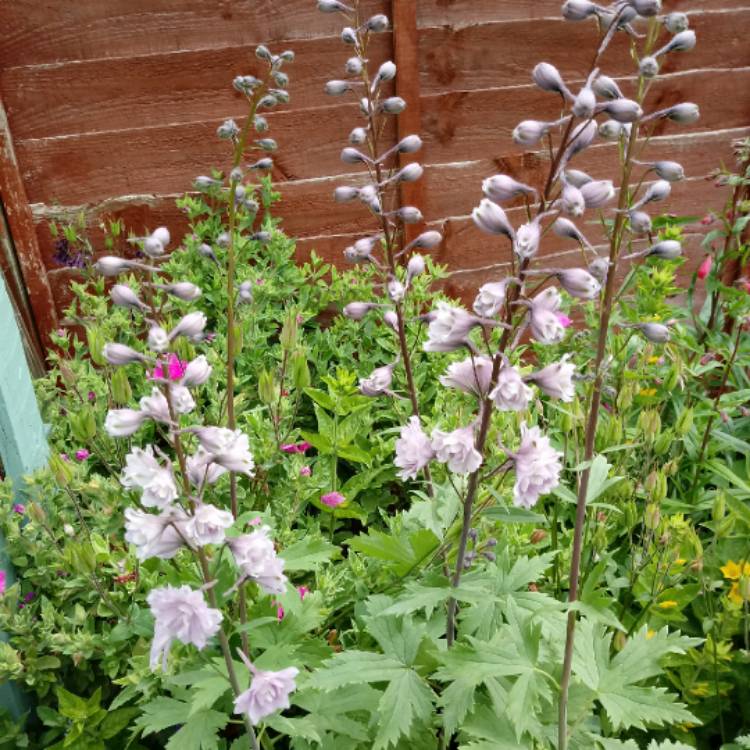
column 705, row 267
column 303, row 591
column 92, row 396
column 82, row 454
column 175, row 369
column 279, row 612
column 65, row 457
column 2, row 582
column 333, row 499
column 19, row 508
column 305, row 471
column 565, row 321
column 295, row 447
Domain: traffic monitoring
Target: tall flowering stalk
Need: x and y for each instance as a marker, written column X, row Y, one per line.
column 397, row 260
column 180, row 469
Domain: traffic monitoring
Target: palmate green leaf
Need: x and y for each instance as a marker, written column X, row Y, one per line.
column 307, row 554
column 493, row 731
column 668, row 745
column 200, row 732
column 407, row 699
column 405, row 552
column 398, row 637
column 328, row 710
column 295, row 727
column 434, row 592
column 161, row 713
column 355, row 667
column 724, row 471
column 640, row 707
column 605, row 743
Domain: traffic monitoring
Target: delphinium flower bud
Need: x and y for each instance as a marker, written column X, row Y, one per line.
column 124, row 422
column 685, row 114
column 370, row 197
column 184, row 290
column 413, row 450
column 358, row 310
column 262, row 164
column 491, row 298
column 396, row 290
column 245, row 84
column 281, row 95
column 228, row 129
column 386, row 72
column 378, row 382
column 267, row 144
column 333, row 6
column 655, row 332
column 358, row 136
column 578, row 10
column 676, row 22
column 237, row 174
column 409, row 214
column 155, row 406
column 556, row 380
column 657, row 191
column 563, row 227
column 415, row 267
column 260, row 124
column 490, row 218
column 410, row 173
column 197, row 372
column 393, row 105
column 649, row 67
column 527, row 239
column 350, row 155
column 572, row 202
column 158, row 339
column 472, row 375
column 640, row 222
column 530, row 132
column 606, row 88
column 190, row 326
column 597, row 193
column 585, row 101
column 581, row 138
column 548, row 78
column 120, row 354
column 502, row 187
column 207, row 252
column 546, row 326
column 203, row 182
column 391, row 320
column 671, row 171
column 666, row 250
column 684, row 41
column 425, row 241
column 576, row 177
column 110, row 265
column 599, row 269
column 646, row 8
column 410, row 144
column 378, row 23
column 344, row 194
column 537, row 466
column 124, row 296
column 337, row 88
column 623, row 110
column 263, row 53
column 611, row 130
column 245, row 292
column 348, row 35
column 623, row 15
column 578, row 282
column 456, row 449
column 354, row 66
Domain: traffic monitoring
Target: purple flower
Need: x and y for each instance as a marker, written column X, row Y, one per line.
column 556, row 380
column 457, row 450
column 3, row 579
column 65, row 457
column 510, row 393
column 305, row 471
column 268, row 692
column 537, row 467
column 303, row 591
column 91, row 396
column 82, row 454
column 413, row 449
column 302, row 447
column 472, row 375
column 67, row 256
column 19, row 508
column 333, row 499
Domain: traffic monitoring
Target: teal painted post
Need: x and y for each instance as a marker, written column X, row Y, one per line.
column 23, row 444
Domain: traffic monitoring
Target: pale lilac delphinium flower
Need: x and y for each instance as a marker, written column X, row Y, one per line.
column 378, row 382
column 556, row 380
column 537, row 466
column 180, row 614
column 510, row 392
column 256, row 557
column 182, row 399
column 471, row 375
column 228, row 448
column 545, row 325
column 449, row 328
column 457, row 450
column 156, row 406
column 413, row 449
column 201, row 468
column 155, row 535
column 143, row 471
column 491, row 298
column 207, row 525
column 124, row 422
column 268, row 692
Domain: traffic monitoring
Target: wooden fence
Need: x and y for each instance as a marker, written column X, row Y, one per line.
column 112, row 107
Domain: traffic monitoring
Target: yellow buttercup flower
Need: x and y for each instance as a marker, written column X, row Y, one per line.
column 650, row 634
column 733, row 571
column 668, row 604
column 734, row 594
column 647, row 392
column 653, row 360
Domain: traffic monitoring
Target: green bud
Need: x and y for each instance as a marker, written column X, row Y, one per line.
column 289, row 332
column 68, row 376
column 267, row 388
column 673, row 377
column 663, row 443
column 631, row 514
column 300, row 370
column 649, row 423
column 658, row 489
column 81, row 557
column 96, row 342
column 83, row 424
column 36, row 512
column 684, row 422
column 719, row 509
column 60, row 469
column 625, row 396
column 652, row 516
column 620, row 640
column 744, row 588
column 121, row 391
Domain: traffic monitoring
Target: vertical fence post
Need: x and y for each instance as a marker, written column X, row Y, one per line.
column 23, row 444
column 406, row 57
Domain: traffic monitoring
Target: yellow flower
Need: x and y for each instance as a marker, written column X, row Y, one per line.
column 668, row 604
column 701, row 689
column 732, row 570
column 653, row 360
column 647, row 392
column 680, row 561
column 734, row 594
column 650, row 634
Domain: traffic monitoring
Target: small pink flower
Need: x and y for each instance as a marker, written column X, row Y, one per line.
column 708, row 219
column 303, row 591
column 256, row 521
column 19, row 508
column 279, row 612
column 65, row 457
column 705, row 267
column 300, row 320
column 91, row 396
column 260, row 282
column 2, row 582
column 82, row 454
column 333, row 499
column 175, row 369
column 295, row 447
column 305, row 471
column 565, row 321
column 60, row 332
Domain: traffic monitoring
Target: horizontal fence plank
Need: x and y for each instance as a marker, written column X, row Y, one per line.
column 35, row 33
column 159, row 89
column 457, row 126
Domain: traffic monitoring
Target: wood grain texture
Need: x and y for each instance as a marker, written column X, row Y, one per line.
column 456, row 126
column 180, row 87
column 46, row 32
